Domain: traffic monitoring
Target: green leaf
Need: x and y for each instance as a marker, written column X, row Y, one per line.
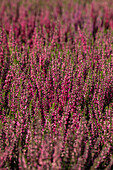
column 53, row 105
column 30, row 105
column 0, row 124
column 16, row 61
column 79, row 43
column 32, row 66
column 3, row 94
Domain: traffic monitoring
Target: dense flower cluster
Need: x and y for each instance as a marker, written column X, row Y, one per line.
column 56, row 85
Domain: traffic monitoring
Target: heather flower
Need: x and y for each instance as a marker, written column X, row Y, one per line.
column 56, row 85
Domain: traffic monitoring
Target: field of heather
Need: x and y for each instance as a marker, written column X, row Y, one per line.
column 56, row 85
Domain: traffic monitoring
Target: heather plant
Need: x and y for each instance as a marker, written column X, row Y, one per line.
column 56, row 85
